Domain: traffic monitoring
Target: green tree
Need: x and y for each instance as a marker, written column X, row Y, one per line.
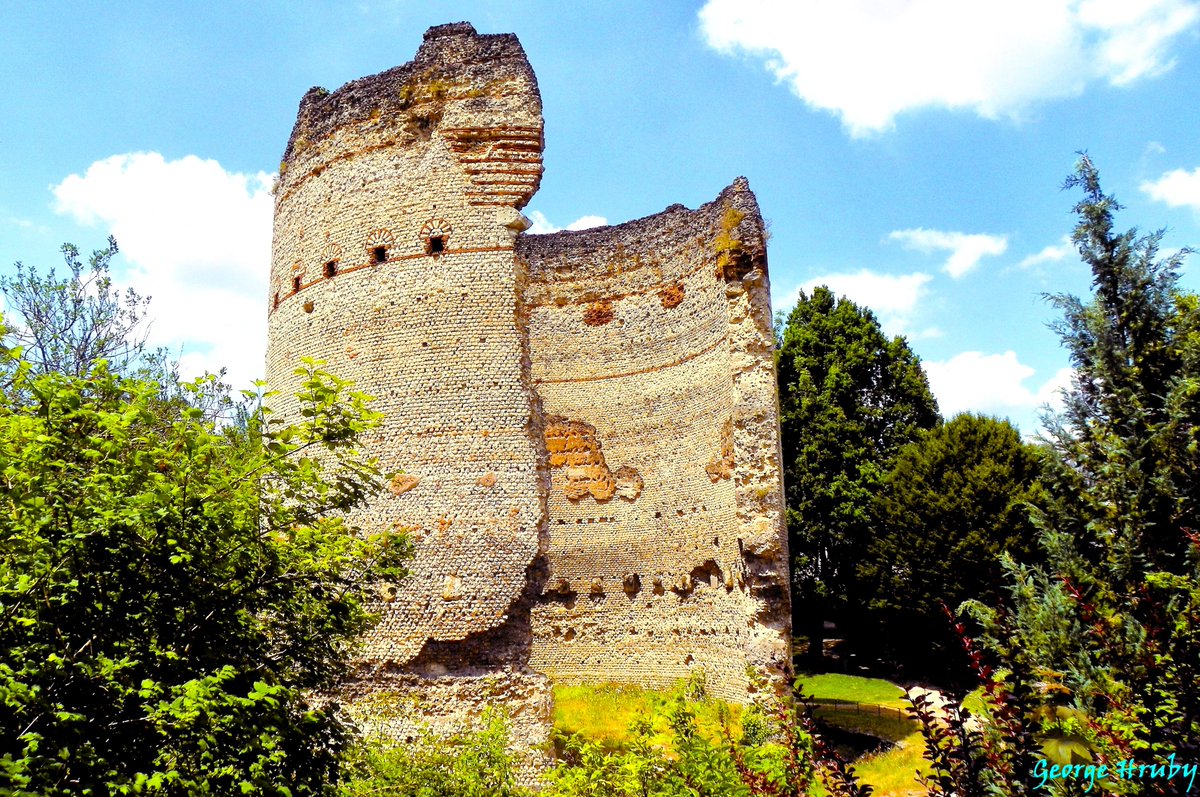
column 954, row 500
column 1109, row 629
column 850, row 397
column 65, row 325
column 174, row 595
column 1117, row 614
column 68, row 324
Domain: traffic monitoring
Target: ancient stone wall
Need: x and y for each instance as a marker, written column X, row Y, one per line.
column 392, row 262
column 404, row 707
column 666, row 550
column 586, row 422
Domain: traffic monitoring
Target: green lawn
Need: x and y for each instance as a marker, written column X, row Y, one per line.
column 891, row 773
column 852, row 688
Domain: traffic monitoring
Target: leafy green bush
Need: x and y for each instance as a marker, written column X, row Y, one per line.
column 173, row 592
column 464, row 765
column 775, row 755
column 694, row 767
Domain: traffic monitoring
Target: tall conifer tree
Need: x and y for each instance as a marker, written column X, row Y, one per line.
column 850, row 397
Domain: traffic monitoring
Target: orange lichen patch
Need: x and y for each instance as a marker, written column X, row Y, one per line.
column 671, row 296
column 486, row 480
column 598, row 313
column 573, row 445
column 402, row 483
column 721, row 465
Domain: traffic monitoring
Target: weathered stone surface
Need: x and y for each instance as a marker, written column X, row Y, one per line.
column 375, row 172
column 577, row 414
column 682, row 393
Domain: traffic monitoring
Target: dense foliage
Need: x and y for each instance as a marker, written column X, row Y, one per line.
column 849, row 399
column 173, row 594
column 1097, row 660
column 953, row 500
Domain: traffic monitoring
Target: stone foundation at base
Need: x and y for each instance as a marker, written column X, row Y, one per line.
column 406, row 707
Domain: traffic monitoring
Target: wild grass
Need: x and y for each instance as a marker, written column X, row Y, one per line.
column 894, row 773
column 604, row 713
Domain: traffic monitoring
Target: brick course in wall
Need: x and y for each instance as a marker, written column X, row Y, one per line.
column 586, row 422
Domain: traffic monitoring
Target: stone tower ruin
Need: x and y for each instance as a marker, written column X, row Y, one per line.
column 586, row 422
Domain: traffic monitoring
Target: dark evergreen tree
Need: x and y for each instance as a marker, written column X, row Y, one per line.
column 952, row 502
column 1119, row 613
column 850, row 397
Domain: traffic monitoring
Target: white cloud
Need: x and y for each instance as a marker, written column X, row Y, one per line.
column 990, row 383
column 198, row 241
column 868, row 61
column 26, row 224
column 587, row 222
column 892, row 297
column 1176, row 188
column 543, row 225
column 1050, row 254
column 965, row 250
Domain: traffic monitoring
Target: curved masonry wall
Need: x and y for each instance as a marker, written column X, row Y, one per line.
column 636, row 338
column 445, row 147
column 432, row 336
column 586, row 422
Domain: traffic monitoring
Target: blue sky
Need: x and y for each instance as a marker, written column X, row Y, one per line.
column 909, row 154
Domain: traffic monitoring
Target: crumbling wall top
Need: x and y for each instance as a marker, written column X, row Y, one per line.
column 453, row 60
column 653, row 244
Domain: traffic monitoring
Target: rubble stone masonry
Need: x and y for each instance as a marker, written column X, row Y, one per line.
column 586, row 422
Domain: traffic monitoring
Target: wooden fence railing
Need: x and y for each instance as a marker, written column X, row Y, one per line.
column 858, row 708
